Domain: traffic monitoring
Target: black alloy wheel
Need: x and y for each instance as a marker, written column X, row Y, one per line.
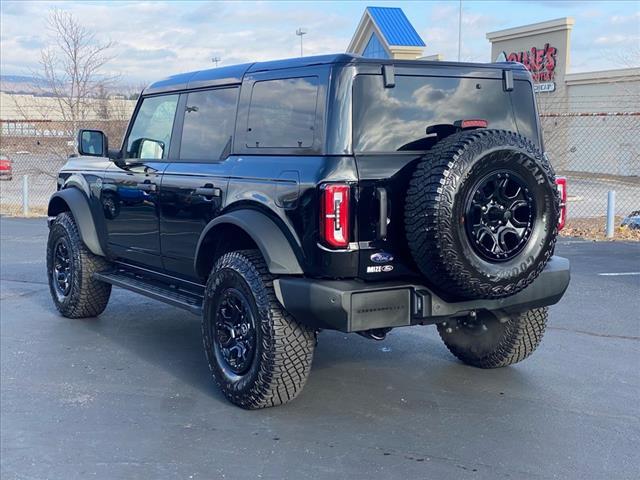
column 62, row 273
column 499, row 216
column 235, row 332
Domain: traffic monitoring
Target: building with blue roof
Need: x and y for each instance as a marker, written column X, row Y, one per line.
column 386, row 32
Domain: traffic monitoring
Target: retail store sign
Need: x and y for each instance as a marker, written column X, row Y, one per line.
column 544, row 87
column 541, row 62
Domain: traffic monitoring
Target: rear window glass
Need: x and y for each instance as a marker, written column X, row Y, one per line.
column 396, row 119
column 282, row 113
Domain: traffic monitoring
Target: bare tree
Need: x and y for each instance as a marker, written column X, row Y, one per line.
column 72, row 66
column 72, row 88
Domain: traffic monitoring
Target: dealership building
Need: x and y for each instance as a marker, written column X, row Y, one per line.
column 590, row 119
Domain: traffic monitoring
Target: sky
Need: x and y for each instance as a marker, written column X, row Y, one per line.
column 156, row 39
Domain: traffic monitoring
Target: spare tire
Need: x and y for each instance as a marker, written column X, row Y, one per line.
column 481, row 214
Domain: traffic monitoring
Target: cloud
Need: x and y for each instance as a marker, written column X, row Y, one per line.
column 148, row 54
column 441, row 35
column 156, row 39
column 30, row 42
column 617, row 39
column 185, row 35
column 625, row 19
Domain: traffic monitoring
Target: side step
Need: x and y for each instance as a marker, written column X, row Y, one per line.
column 153, row 289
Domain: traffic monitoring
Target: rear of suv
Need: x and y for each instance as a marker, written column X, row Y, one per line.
column 282, row 198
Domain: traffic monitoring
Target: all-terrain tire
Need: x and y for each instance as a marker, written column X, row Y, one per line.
column 85, row 296
column 283, row 348
column 437, row 205
column 492, row 341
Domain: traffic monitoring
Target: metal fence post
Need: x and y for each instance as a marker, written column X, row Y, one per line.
column 25, row 195
column 611, row 213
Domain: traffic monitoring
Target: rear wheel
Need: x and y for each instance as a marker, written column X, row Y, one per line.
column 70, row 269
column 492, row 340
column 259, row 355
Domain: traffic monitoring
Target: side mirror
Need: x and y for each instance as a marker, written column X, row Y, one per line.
column 150, row 149
column 93, row 143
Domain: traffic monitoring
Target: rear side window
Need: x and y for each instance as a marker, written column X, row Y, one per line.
column 524, row 109
column 151, row 131
column 282, row 113
column 209, row 120
column 396, row 119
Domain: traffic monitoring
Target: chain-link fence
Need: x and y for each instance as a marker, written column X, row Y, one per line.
column 37, row 149
column 596, row 151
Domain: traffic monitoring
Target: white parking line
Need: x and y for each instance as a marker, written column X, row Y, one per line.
column 621, row 274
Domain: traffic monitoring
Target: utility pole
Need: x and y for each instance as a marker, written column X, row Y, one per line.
column 300, row 32
column 459, row 30
column 216, row 60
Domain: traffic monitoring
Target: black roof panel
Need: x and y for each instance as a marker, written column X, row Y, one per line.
column 201, row 78
column 234, row 74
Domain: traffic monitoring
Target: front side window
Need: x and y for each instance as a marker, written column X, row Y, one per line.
column 209, row 120
column 282, row 113
column 151, row 131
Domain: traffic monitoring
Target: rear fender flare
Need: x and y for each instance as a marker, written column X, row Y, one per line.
column 271, row 241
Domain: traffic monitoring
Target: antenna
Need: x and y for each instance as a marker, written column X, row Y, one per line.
column 300, row 32
column 216, row 60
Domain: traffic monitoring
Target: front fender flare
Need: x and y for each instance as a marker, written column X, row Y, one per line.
column 271, row 241
column 74, row 200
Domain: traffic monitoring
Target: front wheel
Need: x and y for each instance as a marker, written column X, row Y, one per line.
column 70, row 269
column 259, row 355
column 493, row 340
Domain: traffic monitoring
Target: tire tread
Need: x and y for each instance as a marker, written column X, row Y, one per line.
column 288, row 346
column 522, row 336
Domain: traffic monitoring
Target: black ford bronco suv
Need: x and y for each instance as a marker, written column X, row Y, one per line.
column 278, row 199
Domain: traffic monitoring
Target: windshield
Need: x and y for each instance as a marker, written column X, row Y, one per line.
column 396, row 119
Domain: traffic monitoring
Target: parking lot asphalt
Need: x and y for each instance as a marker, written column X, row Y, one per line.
column 128, row 394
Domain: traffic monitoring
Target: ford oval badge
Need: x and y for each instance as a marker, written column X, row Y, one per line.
column 381, row 257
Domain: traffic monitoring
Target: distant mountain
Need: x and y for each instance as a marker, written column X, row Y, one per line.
column 18, row 79
column 27, row 84
column 19, row 84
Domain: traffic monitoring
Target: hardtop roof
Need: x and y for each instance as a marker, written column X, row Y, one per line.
column 234, row 74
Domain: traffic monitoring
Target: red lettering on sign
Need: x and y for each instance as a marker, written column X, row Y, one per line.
column 541, row 62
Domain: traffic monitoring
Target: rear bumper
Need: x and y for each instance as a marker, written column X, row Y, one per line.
column 353, row 305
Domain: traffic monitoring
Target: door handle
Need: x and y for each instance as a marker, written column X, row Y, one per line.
column 208, row 191
column 147, row 187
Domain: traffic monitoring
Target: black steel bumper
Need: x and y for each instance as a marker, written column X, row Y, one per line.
column 353, row 305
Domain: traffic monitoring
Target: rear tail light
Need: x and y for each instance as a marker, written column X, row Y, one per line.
column 471, row 123
column 334, row 219
column 561, row 184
